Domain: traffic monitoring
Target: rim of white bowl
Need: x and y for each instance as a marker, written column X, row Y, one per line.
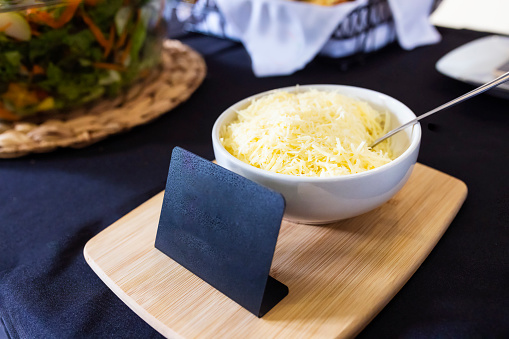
column 414, row 141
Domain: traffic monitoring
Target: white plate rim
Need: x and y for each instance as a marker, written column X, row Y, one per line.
column 474, row 62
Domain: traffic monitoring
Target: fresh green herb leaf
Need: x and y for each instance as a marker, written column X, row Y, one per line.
column 13, row 57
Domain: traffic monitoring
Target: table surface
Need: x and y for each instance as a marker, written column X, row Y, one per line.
column 52, row 204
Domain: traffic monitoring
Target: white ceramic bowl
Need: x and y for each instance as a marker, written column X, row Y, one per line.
column 317, row 200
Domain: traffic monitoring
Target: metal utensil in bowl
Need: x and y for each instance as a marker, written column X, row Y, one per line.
column 481, row 89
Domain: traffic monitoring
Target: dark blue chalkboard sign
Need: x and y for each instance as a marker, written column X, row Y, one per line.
column 223, row 228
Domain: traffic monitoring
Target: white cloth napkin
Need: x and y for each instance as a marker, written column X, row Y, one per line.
column 413, row 27
column 283, row 36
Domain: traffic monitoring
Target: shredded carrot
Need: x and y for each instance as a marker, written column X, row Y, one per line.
column 31, row 11
column 5, row 114
column 46, row 18
column 105, row 65
column 41, row 16
column 123, row 36
column 111, row 42
column 4, row 27
column 95, row 30
column 33, row 14
column 68, row 13
column 122, row 39
column 38, row 70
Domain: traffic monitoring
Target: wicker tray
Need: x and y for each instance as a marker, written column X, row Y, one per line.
column 181, row 72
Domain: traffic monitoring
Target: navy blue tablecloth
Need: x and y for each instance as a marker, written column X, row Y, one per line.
column 52, row 204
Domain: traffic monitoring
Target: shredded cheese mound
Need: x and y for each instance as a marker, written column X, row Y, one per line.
column 312, row 133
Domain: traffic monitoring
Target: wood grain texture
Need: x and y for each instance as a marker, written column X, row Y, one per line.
column 339, row 275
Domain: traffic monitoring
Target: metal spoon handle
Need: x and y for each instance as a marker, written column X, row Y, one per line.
column 483, row 88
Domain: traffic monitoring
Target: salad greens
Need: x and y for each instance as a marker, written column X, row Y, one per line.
column 59, row 57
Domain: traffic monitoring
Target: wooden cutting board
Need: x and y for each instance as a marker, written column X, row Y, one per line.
column 339, row 275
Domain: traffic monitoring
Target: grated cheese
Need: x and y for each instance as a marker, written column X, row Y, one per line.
column 312, row 133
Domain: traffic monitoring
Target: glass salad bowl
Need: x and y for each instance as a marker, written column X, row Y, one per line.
column 57, row 55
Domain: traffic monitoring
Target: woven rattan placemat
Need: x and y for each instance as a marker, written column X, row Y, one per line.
column 181, row 72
